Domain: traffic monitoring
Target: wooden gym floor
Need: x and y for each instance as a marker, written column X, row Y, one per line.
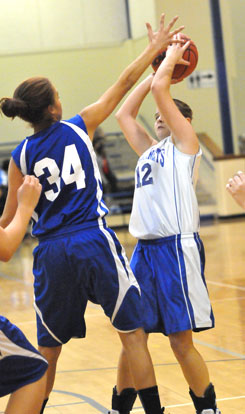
column 87, row 368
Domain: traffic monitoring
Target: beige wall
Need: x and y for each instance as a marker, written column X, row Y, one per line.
column 233, row 13
column 82, row 75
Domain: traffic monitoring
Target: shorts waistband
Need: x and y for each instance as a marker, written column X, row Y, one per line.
column 64, row 231
column 168, row 238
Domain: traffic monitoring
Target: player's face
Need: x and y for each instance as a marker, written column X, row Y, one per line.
column 161, row 129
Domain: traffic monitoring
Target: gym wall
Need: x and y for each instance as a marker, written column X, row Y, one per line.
column 83, row 46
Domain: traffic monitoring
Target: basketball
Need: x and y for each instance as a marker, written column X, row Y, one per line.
column 180, row 71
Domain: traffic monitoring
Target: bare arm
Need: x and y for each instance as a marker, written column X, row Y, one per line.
column 15, row 180
column 184, row 136
column 136, row 135
column 236, row 187
column 97, row 112
column 27, row 198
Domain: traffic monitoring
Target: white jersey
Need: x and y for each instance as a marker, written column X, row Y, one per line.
column 164, row 201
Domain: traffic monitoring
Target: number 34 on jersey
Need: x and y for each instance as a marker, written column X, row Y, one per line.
column 71, row 172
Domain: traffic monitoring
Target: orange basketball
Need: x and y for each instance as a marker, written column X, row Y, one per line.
column 180, row 71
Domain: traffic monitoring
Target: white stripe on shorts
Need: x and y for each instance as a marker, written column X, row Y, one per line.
column 9, row 348
column 125, row 281
column 44, row 324
column 197, row 291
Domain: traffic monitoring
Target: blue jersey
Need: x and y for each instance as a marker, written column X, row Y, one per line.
column 63, row 159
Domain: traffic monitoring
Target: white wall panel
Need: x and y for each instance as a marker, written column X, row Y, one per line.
column 104, row 21
column 142, row 11
column 62, row 23
column 44, row 25
column 19, row 26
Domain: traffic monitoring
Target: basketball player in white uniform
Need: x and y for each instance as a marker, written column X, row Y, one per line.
column 168, row 260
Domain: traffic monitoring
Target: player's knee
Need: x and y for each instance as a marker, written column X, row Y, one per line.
column 135, row 338
column 181, row 344
column 50, row 354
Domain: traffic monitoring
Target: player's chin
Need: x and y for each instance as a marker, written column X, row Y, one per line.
column 162, row 133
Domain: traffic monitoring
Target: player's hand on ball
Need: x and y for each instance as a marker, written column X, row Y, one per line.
column 176, row 51
column 189, row 54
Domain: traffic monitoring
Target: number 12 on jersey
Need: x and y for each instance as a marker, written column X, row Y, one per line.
column 143, row 175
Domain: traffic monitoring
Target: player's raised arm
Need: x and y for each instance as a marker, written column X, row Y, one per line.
column 136, row 135
column 97, row 112
column 182, row 131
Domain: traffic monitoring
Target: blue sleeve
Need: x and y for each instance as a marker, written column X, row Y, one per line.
column 16, row 154
column 77, row 120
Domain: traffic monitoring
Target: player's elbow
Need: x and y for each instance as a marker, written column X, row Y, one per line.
column 156, row 87
column 160, row 93
column 120, row 116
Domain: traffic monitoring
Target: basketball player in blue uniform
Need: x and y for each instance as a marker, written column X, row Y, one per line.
column 236, row 187
column 78, row 257
column 168, row 260
column 22, row 368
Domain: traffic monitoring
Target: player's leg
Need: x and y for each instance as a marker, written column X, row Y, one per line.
column 121, row 303
column 141, row 368
column 139, row 359
column 191, row 362
column 51, row 355
column 207, row 403
column 123, row 402
column 23, row 371
column 59, row 300
column 124, row 393
column 124, row 375
column 28, row 399
column 192, row 292
column 182, row 291
column 195, row 372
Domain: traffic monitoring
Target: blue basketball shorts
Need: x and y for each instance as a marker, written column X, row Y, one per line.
column 20, row 362
column 170, row 272
column 86, row 264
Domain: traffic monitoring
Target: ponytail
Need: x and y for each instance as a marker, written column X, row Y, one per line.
column 12, row 107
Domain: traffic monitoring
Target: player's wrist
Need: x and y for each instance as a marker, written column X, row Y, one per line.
column 153, row 50
column 25, row 211
column 171, row 59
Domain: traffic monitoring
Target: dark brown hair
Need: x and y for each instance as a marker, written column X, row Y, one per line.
column 184, row 108
column 30, row 101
